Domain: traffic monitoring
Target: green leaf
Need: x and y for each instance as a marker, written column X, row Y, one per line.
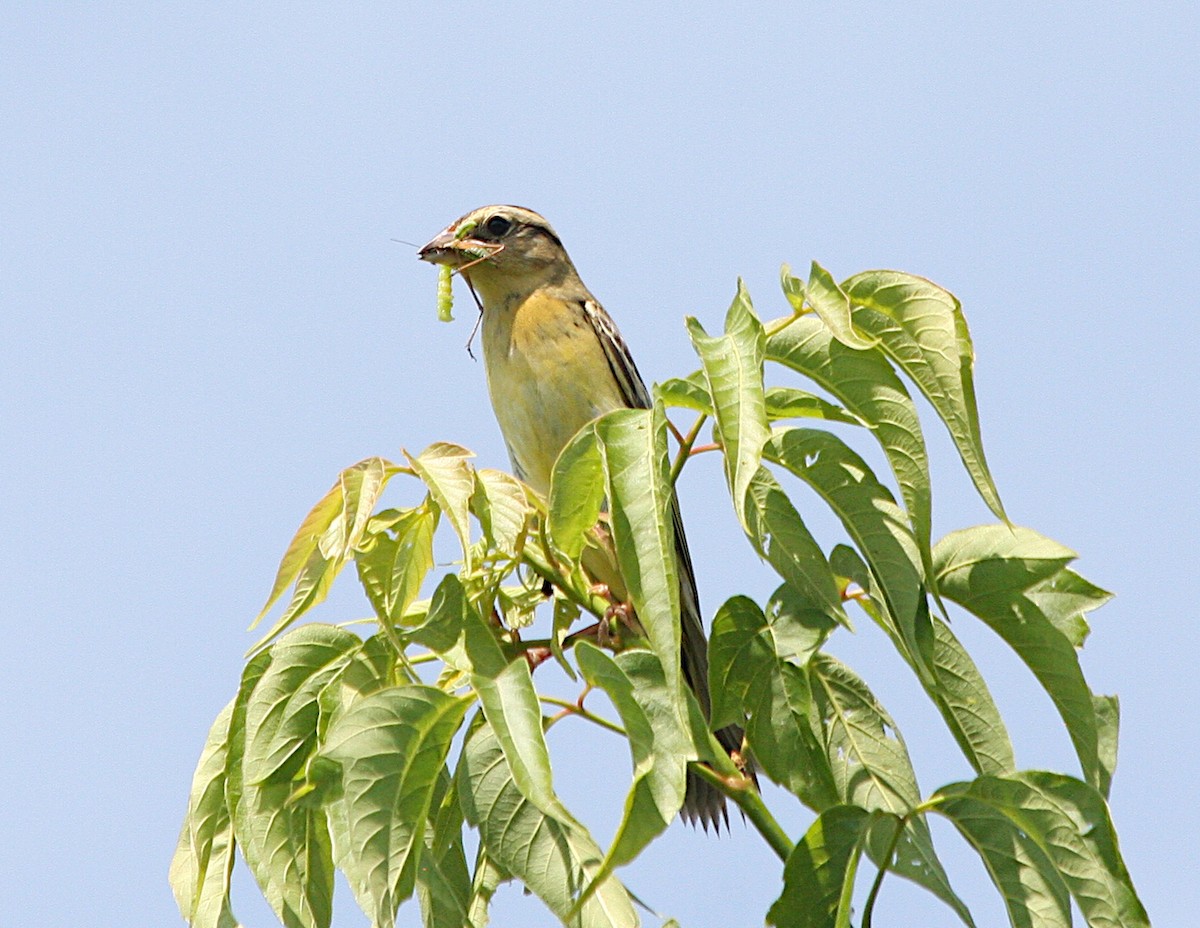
column 872, row 770
column 1033, row 892
column 832, row 304
column 505, row 688
column 451, row 481
column 500, row 504
column 689, row 392
column 922, row 328
column 484, row 882
column 281, row 713
column 790, row 403
column 864, row 383
column 1066, row 598
column 286, row 845
column 780, row 536
column 870, row 515
column 1068, row 820
column 756, row 671
column 443, row 880
column 1009, row 558
column 555, row 859
column 966, row 703
column 957, row 688
column 633, row 446
column 733, row 370
column 818, row 878
column 203, row 861
column 658, row 740
column 391, row 747
column 393, row 565
column 576, row 493
column 987, row 570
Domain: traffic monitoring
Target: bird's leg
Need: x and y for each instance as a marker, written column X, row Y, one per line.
column 617, row 615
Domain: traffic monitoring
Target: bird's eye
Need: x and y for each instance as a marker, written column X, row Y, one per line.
column 498, row 226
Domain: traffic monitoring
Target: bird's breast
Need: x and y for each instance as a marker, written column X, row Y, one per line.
column 547, row 376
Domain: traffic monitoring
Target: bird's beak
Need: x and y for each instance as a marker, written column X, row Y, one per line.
column 448, row 248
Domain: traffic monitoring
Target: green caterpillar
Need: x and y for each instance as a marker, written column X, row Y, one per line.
column 445, row 289
column 445, row 294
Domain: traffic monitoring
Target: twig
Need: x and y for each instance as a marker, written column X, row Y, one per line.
column 869, row 908
column 685, row 446
column 571, row 708
column 741, row 790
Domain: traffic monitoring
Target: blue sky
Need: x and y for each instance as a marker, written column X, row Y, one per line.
column 205, row 318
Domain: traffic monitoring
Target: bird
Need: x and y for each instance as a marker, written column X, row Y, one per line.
column 554, row 361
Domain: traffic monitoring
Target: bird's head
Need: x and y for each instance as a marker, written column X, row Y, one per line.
column 504, row 252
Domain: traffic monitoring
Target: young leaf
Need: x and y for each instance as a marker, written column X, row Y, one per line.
column 391, row 747
column 303, row 545
column 500, row 504
column 393, row 565
column 733, row 371
column 818, row 878
column 451, row 481
column 362, row 485
column 555, row 858
column 312, row 586
column 864, row 382
column 833, row 306
column 922, row 328
column 1069, row 822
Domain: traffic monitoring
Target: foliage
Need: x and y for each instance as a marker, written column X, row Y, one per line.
column 373, row 755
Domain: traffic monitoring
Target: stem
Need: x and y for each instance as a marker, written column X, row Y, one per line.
column 685, row 446
column 572, row 708
column 747, row 798
column 869, row 908
column 715, row 446
column 544, row 568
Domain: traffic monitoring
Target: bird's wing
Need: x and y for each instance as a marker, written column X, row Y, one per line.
column 620, row 362
column 636, row 396
column 704, row 803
